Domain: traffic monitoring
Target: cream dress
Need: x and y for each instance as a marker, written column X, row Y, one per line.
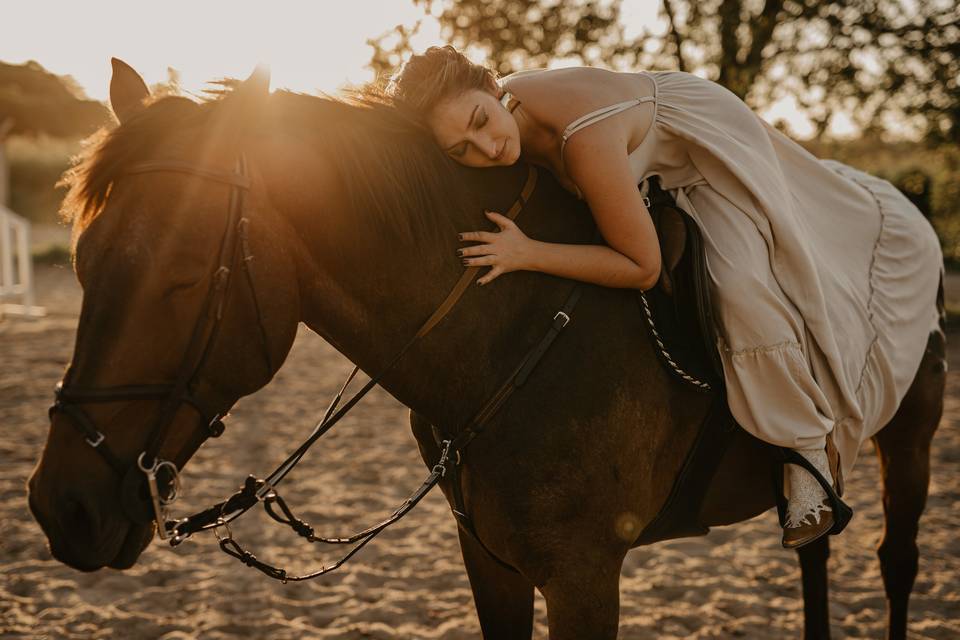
column 824, row 278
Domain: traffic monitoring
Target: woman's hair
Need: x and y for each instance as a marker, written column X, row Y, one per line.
column 439, row 73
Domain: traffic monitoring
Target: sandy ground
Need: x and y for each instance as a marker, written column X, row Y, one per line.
column 410, row 582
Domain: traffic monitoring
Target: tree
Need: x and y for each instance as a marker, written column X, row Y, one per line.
column 875, row 58
column 41, row 102
column 516, row 34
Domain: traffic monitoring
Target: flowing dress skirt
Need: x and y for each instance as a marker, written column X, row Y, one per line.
column 824, row 278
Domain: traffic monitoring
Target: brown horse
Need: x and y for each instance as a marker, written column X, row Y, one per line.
column 352, row 221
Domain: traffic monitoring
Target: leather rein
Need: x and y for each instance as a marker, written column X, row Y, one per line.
column 161, row 476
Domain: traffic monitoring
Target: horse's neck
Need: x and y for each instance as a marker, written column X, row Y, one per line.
column 370, row 304
column 368, row 296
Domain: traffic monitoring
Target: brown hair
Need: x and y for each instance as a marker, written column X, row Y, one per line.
column 427, row 79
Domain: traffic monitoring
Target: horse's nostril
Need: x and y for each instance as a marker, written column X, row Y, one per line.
column 78, row 521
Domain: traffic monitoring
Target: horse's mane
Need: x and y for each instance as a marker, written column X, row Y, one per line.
column 394, row 175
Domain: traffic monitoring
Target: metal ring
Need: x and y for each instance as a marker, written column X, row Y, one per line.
column 143, row 468
column 175, row 484
column 222, row 522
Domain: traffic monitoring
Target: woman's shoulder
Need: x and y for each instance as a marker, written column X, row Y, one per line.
column 559, row 98
column 583, row 89
column 566, row 77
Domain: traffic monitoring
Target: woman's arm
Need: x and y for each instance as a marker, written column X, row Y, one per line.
column 593, row 263
column 596, row 159
column 511, row 250
column 599, row 165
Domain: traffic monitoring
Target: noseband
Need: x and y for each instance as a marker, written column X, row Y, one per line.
column 69, row 398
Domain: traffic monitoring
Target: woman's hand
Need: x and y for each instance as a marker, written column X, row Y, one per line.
column 504, row 251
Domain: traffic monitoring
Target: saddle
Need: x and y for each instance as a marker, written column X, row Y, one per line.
column 680, row 319
column 680, row 309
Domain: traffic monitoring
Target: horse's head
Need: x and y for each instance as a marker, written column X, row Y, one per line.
column 189, row 303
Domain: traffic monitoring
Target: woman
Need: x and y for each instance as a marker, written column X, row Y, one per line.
column 824, row 277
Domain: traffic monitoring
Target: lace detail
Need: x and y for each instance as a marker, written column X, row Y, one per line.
column 807, row 498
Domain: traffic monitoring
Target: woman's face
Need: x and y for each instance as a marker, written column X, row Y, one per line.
column 476, row 130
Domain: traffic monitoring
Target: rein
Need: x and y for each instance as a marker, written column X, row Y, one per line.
column 217, row 517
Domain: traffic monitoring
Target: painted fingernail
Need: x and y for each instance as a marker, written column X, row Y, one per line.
column 466, row 262
column 460, row 252
column 459, row 236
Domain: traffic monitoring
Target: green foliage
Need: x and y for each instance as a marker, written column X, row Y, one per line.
column 881, row 59
column 52, row 254
column 41, row 103
column 517, row 34
column 36, row 165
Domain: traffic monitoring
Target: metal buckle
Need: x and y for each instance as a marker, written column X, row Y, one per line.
column 265, row 491
column 174, row 531
column 563, row 317
column 441, row 466
column 96, row 442
column 646, row 202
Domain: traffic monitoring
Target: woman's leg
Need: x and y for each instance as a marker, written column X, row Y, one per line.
column 770, row 384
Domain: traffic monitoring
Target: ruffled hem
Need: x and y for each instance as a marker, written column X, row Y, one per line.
column 773, row 383
column 904, row 276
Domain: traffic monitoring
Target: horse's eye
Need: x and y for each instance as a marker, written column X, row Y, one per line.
column 179, row 287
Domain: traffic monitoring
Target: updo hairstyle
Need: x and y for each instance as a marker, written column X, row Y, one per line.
column 428, row 79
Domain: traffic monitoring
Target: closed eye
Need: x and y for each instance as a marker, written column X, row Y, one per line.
column 179, row 287
column 480, row 121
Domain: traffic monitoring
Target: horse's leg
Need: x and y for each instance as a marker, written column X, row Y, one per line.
column 905, row 468
column 903, row 447
column 504, row 598
column 816, row 608
column 583, row 599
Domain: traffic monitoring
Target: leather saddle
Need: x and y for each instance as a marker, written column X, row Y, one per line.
column 680, row 319
column 680, row 309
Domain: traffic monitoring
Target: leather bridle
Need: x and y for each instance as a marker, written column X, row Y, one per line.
column 69, row 398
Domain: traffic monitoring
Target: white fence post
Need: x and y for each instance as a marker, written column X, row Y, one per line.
column 16, row 276
column 6, row 126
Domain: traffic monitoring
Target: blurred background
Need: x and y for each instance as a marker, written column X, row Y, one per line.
column 873, row 83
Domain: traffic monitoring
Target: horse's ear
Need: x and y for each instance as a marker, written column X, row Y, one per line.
column 247, row 103
column 257, row 83
column 127, row 90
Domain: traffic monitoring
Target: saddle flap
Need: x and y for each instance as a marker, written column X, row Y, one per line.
column 672, row 234
column 680, row 306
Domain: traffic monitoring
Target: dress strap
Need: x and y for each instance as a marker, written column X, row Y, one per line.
column 509, row 101
column 597, row 116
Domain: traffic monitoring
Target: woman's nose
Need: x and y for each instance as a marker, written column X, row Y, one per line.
column 490, row 148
